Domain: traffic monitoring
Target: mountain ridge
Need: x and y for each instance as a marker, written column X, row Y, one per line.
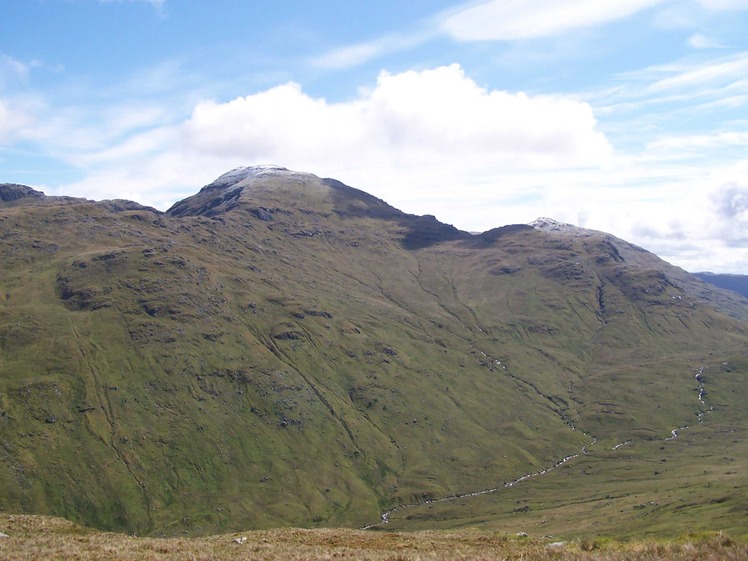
column 236, row 179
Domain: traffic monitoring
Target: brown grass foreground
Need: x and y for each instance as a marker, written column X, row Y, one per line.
column 39, row 537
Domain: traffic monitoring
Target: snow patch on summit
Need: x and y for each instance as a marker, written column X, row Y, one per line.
column 245, row 172
column 551, row 225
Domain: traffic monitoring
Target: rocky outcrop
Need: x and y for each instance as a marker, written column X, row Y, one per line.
column 11, row 192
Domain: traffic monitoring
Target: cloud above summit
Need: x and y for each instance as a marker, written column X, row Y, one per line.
column 410, row 138
column 427, row 115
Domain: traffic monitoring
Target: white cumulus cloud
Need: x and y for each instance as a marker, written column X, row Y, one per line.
column 409, row 119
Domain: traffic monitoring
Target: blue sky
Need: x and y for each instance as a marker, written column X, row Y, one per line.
column 628, row 116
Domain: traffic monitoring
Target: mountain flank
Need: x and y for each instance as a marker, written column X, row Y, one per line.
column 285, row 350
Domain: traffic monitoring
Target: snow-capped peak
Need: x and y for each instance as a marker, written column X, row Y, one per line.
column 241, row 173
column 551, row 225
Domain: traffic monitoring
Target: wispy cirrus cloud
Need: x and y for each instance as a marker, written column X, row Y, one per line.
column 700, row 41
column 492, row 20
column 687, row 84
column 504, row 20
column 12, row 122
column 158, row 5
column 718, row 72
column 349, row 56
column 724, row 5
column 13, row 69
column 154, row 3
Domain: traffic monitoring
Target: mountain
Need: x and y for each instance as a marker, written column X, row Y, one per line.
column 735, row 283
column 281, row 349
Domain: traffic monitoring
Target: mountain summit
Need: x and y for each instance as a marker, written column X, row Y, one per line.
column 282, row 349
column 302, row 202
column 274, row 185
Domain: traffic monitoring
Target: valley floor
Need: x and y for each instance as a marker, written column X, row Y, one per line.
column 38, row 537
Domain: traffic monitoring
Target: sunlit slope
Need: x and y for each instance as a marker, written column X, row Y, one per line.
column 285, row 350
column 643, row 365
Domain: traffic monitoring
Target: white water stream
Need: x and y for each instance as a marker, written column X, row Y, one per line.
column 385, row 518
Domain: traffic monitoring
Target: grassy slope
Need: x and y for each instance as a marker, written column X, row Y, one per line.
column 191, row 374
column 627, row 383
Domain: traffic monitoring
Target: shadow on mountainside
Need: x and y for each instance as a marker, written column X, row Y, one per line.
column 418, row 231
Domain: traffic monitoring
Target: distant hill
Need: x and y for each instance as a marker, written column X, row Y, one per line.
column 285, row 350
column 736, row 283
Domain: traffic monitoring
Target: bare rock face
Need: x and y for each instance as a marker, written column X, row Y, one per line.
column 11, row 192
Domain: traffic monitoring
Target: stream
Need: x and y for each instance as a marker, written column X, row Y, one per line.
column 386, row 515
column 699, row 377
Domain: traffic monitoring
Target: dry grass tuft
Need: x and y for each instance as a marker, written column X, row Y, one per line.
column 37, row 537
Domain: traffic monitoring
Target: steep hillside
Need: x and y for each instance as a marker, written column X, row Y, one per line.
column 281, row 349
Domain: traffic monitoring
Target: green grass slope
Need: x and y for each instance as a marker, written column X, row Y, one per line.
column 283, row 350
